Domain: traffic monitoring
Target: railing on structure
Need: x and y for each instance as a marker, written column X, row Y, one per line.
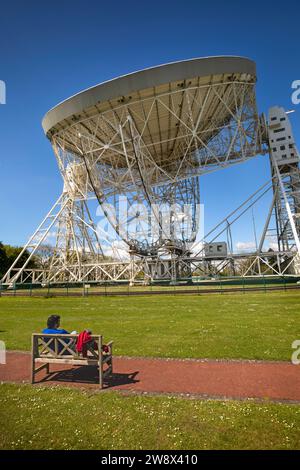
column 197, row 285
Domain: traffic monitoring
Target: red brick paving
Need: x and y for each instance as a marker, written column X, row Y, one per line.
column 215, row 379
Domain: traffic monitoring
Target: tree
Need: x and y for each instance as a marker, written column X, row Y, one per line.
column 43, row 255
column 8, row 255
column 12, row 252
column 3, row 260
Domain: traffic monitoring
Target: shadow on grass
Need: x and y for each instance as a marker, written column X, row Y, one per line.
column 89, row 375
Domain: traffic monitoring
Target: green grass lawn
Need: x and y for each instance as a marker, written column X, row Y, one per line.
column 249, row 326
column 60, row 418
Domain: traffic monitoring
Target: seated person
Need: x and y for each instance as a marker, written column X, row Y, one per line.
column 53, row 324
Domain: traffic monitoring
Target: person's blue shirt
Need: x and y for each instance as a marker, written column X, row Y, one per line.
column 54, row 331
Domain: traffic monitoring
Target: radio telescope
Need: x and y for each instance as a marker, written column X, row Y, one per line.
column 145, row 139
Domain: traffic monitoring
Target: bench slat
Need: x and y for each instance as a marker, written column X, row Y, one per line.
column 75, row 362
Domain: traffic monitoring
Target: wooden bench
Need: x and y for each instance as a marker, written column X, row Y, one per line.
column 61, row 349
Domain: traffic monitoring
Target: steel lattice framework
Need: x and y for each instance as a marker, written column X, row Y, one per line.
column 148, row 137
column 123, row 155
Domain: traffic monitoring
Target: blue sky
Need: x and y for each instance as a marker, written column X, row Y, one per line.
column 51, row 50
